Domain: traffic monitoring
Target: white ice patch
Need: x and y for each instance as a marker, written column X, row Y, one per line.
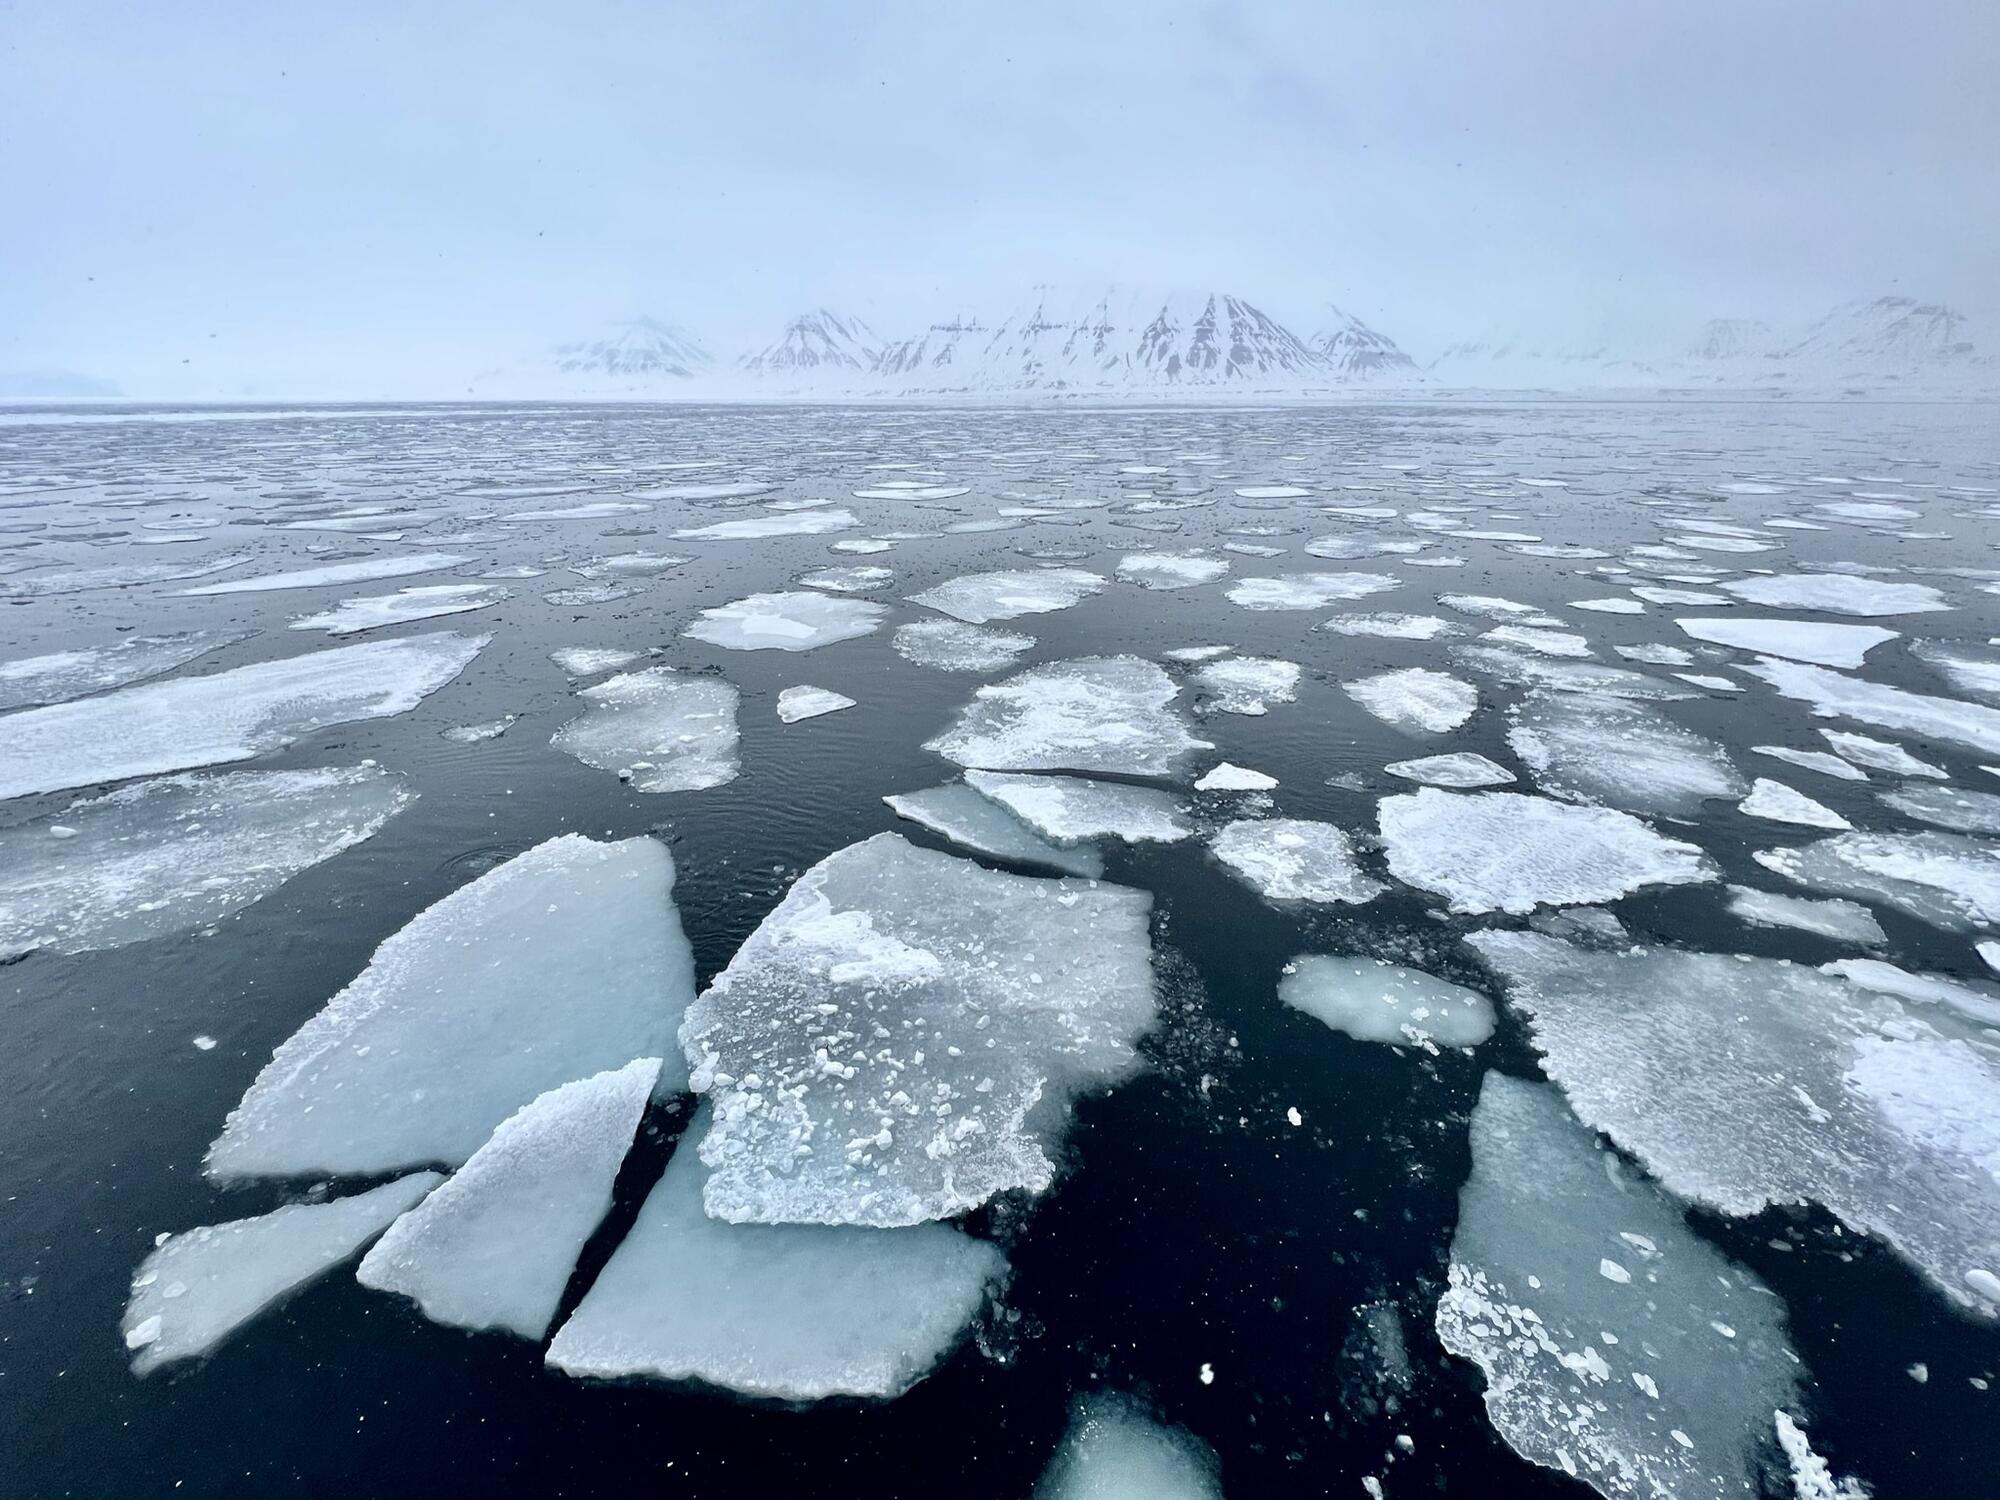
column 1170, row 570
column 819, row 521
column 979, row 597
column 1416, row 700
column 1226, row 777
column 1964, row 667
column 1796, row 640
column 1247, row 684
column 1374, row 1001
column 1843, row 921
column 1880, row 755
column 948, row 646
column 1546, row 642
column 1781, row 804
column 1947, row 807
column 860, row 578
column 562, row 962
column 425, row 602
column 805, row 702
column 1461, row 768
column 661, row 729
column 588, row 661
column 1308, row 590
column 1391, row 626
column 1293, row 859
column 1618, row 753
column 368, row 570
column 62, row 675
column 1838, row 594
column 979, row 823
column 1946, row 879
column 1071, row 809
column 796, row 621
column 1114, row 1451
column 1096, row 713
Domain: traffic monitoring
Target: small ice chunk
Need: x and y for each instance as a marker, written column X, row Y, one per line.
column 1115, row 1451
column 1391, row 626
column 1096, row 713
column 1170, row 570
column 1460, row 768
column 1796, row 640
column 667, row 731
column 795, row 621
column 1416, row 699
column 1247, row 684
column 1547, row 642
column 948, row 646
column 426, row 602
column 1293, row 859
column 1308, row 590
column 1813, row 760
column 588, row 661
column 1071, row 809
column 977, row 598
column 1226, row 777
column 1837, row 594
column 1947, row 807
column 1781, row 804
column 980, row 824
column 1374, row 1001
column 858, row 578
column 805, row 702
column 473, row 734
column 1843, row 921
column 1880, row 755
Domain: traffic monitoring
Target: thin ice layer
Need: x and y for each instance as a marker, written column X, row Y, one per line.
column 1746, row 1082
column 1619, row 753
column 1461, row 768
column 1374, row 1001
column 794, row 1312
column 60, row 676
column 1833, row 695
column 806, row 702
column 977, row 598
column 178, row 852
column 367, row 570
column 424, row 602
column 664, row 730
column 1844, row 921
column 1247, row 684
column 1838, row 594
column 801, row 620
column 202, row 1285
column 1071, row 809
column 1096, row 713
column 1113, row 1450
column 1294, row 859
column 1816, row 641
column 558, row 964
column 980, row 824
column 227, row 716
column 1416, row 699
column 1946, row 879
column 1308, row 590
column 494, row 1247
column 1506, row 851
column 1617, row 1346
column 901, row 1038
column 948, row 646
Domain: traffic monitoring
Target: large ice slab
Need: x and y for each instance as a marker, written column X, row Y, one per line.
column 494, row 1247
column 1779, row 803
column 979, row 597
column 1617, row 1346
column 1947, row 807
column 228, row 716
column 1506, row 851
column 560, row 963
column 1814, row 641
column 1834, row 695
column 113, row 576
column 1946, row 879
column 424, row 602
column 800, row 620
column 984, row 826
column 1096, row 713
column 1416, row 699
column 1838, row 594
column 1294, row 859
column 795, row 1312
column 948, row 646
column 1071, row 809
column 60, row 676
column 1746, row 1082
column 901, row 1038
column 818, row 521
column 367, row 570
column 1113, row 1450
column 1619, row 753
column 665, row 731
column 178, row 852
column 201, row 1286
column 1375, row 1001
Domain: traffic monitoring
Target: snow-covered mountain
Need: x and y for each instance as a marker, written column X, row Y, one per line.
column 817, row 345
column 1355, row 351
column 641, row 352
column 1893, row 336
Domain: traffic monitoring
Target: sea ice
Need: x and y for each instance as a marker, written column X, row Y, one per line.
column 1416, row 700
column 979, row 597
column 1947, row 807
column 1781, row 804
column 1813, row 760
column 1373, row 1001
column 1506, row 851
column 1293, row 859
column 1965, row 667
column 556, row 965
column 1096, row 713
column 979, row 823
column 1225, row 777
column 63, row 675
column 664, row 730
column 1170, row 570
column 1880, row 755
column 1247, row 684
column 473, row 734
column 1834, row 695
column 1535, row 638
column 202, row 1285
column 1618, row 753
column 901, row 1038
column 797, row 621
column 494, row 1246
column 804, row 702
column 1391, row 626
column 114, row 576
column 227, row 716
column 588, row 661
column 1843, row 921
column 859, row 578
column 1308, row 590
column 1462, row 768
column 425, row 602
column 1946, row 879
column 1837, row 594
column 819, row 521
column 1526, row 670
column 368, row 570
column 1796, row 640
column 1071, row 809
column 948, row 646
column 1114, row 1451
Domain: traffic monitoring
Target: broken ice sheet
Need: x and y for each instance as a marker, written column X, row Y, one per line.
column 1844, row 921
column 901, row 1038
column 794, row 1312
column 395, row 565
column 1170, row 570
column 1745, row 1082
column 425, row 602
column 1246, row 684
column 985, row 826
column 558, row 964
column 178, row 852
column 1945, row 879
column 494, row 1246
column 1834, row 695
column 227, row 716
column 62, row 675
column 1619, row 753
column 1814, row 641
column 1781, row 804
column 795, row 621
column 977, row 598
column 1096, row 713
column 1308, row 590
column 1374, row 1001
column 948, row 646
column 1462, row 768
column 806, row 702
column 1838, row 594
column 819, row 521
column 1071, row 809
column 1947, row 807
column 588, row 661
column 664, row 730
column 202, row 1285
column 1617, row 1346
column 1416, row 700
column 1293, row 859
column 1114, row 1451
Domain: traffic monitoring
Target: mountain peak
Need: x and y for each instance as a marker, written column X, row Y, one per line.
column 815, row 343
column 639, row 349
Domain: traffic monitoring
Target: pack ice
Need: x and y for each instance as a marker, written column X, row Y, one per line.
column 979, row 597
column 178, row 852
column 985, row 826
column 62, row 675
column 1507, row 851
column 201, row 1286
column 1096, row 713
column 1071, row 809
column 662, row 729
column 901, row 1038
column 1114, row 1451
column 1946, row 879
column 1416, row 699
column 1617, row 1346
column 1746, row 1082
column 1796, row 640
column 1837, row 594
column 1834, row 695
column 1619, row 753
column 795, row 1312
column 797, row 621
column 1375, row 1001
column 227, row 716
column 494, row 1246
column 948, row 646
column 562, row 962
column 424, row 602
column 1294, row 859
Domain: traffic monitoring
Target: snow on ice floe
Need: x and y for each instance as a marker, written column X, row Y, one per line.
column 1782, row 804
column 796, row 621
column 856, row 579
column 1416, row 700
column 1226, row 777
column 1947, row 807
column 902, row 1037
column 948, row 646
column 1813, row 641
column 494, row 1246
column 1843, row 921
column 1507, row 851
column 1170, row 570
column 1071, row 809
column 1374, row 1001
column 1308, row 590
column 62, row 675
column 820, row 521
column 1945, row 879
column 1834, row 695
column 114, row 576
column 1096, row 713
column 425, row 602
column 1837, row 594
column 1617, row 1346
column 1293, row 859
column 588, row 661
column 178, row 852
column 367, row 570
column 562, row 962
column 1391, row 626
column 977, row 598
column 1114, row 1450
column 795, row 1312
column 1880, row 755
column 1463, row 768
column 228, row 716
column 200, row 1286
column 1523, row 669
column 1246, row 684
column 1619, row 753
column 980, row 823
column 1746, row 1082
column 1966, row 668
column 806, row 702
column 663, row 730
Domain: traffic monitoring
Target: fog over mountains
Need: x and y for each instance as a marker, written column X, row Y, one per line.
column 1121, row 343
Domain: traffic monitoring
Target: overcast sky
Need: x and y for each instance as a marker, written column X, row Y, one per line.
column 373, row 197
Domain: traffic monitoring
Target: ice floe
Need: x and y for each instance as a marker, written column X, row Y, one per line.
column 588, row 661
column 1247, row 684
column 1966, row 668
column 664, row 731
column 425, row 602
column 1114, row 1451
column 1781, row 804
column 1462, row 768
column 795, row 621
column 1619, row 753
column 1170, row 570
column 819, row 521
column 1834, row 695
column 806, row 702
column 1391, row 626
column 1844, row 921
column 1880, row 755
column 368, row 570
column 62, row 675
column 984, row 826
column 1294, row 859
column 1947, row 807
column 1096, row 713
column 1837, row 594
column 1416, row 699
column 979, row 597
column 1071, row 809
column 1308, row 590
column 1226, row 777
column 949, row 646
column 1374, row 1001
column 1813, row 641
column 1946, row 879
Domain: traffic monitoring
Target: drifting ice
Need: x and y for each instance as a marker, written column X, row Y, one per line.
column 1097, row 713
column 667, row 732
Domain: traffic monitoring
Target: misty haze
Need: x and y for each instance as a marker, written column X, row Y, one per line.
column 1183, row 750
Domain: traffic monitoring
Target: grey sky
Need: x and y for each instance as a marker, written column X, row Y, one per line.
column 313, row 195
